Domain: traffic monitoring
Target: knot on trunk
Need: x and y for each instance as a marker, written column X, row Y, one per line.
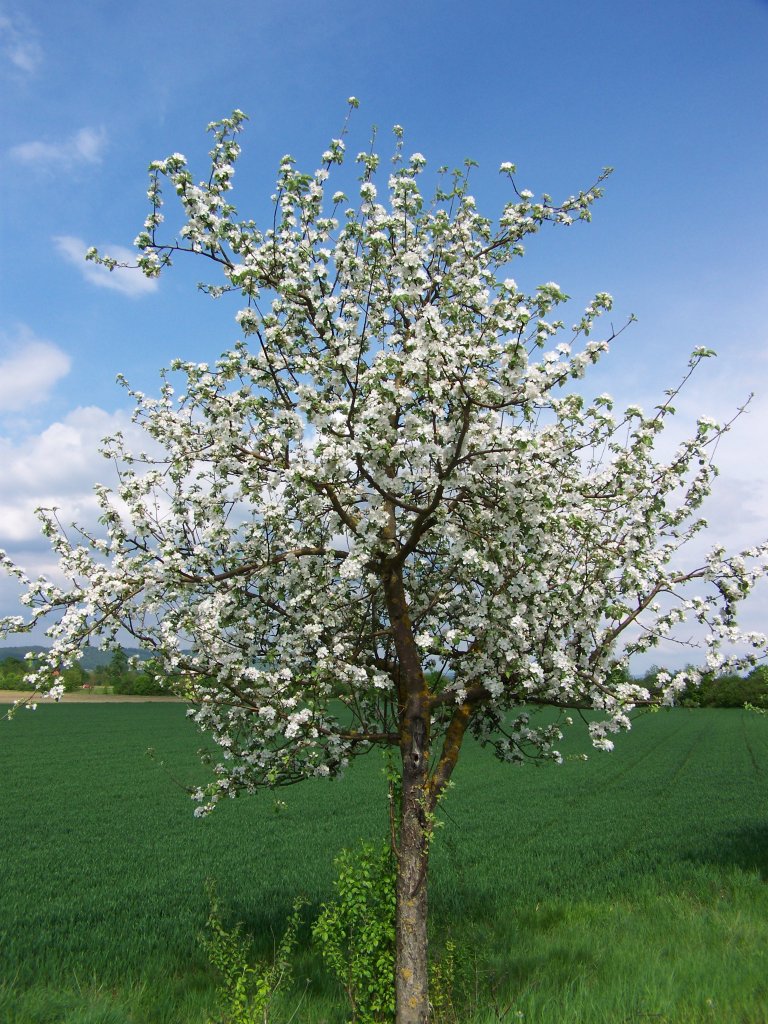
column 418, row 737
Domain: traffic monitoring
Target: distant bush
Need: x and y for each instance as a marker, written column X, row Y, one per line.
column 121, row 678
column 116, row 676
column 730, row 691
column 724, row 691
column 11, row 674
column 139, row 684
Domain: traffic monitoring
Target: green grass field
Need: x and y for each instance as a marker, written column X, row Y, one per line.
column 628, row 888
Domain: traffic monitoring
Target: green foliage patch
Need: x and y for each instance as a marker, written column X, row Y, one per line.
column 355, row 932
column 249, row 987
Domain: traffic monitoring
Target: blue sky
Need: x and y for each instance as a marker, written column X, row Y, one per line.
column 674, row 96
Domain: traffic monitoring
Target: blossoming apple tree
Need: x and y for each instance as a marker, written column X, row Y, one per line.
column 382, row 518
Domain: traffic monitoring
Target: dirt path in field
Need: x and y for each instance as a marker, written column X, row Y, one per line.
column 9, row 696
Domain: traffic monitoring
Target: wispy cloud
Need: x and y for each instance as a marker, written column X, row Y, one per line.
column 29, row 369
column 18, row 46
column 84, row 147
column 127, row 280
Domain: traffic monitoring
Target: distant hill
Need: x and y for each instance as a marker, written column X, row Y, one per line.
column 92, row 658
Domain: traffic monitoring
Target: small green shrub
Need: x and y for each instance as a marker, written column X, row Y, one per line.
column 248, row 988
column 442, row 978
column 356, row 932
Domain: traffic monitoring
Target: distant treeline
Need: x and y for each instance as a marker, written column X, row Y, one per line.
column 93, row 657
column 108, row 671
column 719, row 691
column 112, row 671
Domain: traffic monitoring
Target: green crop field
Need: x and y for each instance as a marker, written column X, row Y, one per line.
column 628, row 888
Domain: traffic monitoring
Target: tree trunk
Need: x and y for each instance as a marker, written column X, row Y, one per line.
column 411, row 976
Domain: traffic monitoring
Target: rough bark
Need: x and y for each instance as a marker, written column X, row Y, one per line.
column 411, row 979
column 411, row 966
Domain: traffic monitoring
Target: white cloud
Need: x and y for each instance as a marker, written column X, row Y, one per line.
column 29, row 368
column 737, row 509
column 127, row 280
column 56, row 468
column 85, row 146
column 18, row 46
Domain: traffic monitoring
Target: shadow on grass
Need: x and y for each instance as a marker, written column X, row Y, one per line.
column 745, row 848
column 262, row 929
